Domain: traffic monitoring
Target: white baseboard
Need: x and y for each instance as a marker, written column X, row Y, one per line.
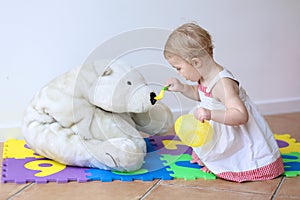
column 267, row 107
column 10, row 133
column 278, row 106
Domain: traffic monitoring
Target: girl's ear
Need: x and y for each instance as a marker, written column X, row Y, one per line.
column 196, row 62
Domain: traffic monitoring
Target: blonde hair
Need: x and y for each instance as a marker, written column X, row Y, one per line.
column 189, row 41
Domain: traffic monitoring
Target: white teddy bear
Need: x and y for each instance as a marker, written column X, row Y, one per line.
column 92, row 116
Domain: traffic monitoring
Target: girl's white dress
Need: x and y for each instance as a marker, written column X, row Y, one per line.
column 239, row 153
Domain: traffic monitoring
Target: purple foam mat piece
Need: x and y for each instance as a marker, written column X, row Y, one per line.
column 14, row 171
column 157, row 142
column 282, row 144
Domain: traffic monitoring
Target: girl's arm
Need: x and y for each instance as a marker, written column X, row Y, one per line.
column 227, row 91
column 190, row 91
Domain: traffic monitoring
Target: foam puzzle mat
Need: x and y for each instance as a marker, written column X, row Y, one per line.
column 167, row 158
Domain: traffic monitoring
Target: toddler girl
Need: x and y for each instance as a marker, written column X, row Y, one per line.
column 243, row 147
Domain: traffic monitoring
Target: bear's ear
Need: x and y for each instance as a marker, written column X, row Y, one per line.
column 107, row 71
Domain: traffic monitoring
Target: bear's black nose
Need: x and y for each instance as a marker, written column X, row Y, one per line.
column 152, row 96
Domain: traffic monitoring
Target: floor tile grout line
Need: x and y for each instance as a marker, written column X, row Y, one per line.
column 150, row 190
column 21, row 190
column 214, row 189
column 227, row 190
column 278, row 188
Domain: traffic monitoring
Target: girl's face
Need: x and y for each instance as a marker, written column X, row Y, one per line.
column 185, row 69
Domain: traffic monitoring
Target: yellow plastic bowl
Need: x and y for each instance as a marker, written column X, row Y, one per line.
column 192, row 132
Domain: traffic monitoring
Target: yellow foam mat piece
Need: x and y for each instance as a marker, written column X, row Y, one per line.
column 18, row 149
column 293, row 145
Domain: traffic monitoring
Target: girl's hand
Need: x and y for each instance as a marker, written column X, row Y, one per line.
column 202, row 114
column 175, row 85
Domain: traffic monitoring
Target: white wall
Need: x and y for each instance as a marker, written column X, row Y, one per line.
column 257, row 40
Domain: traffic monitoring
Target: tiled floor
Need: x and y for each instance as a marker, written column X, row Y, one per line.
column 281, row 188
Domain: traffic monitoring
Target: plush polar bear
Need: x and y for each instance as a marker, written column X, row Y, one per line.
column 92, row 116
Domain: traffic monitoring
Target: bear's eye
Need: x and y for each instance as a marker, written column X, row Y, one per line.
column 129, row 83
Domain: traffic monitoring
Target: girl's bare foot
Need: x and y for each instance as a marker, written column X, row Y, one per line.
column 205, row 169
column 196, row 159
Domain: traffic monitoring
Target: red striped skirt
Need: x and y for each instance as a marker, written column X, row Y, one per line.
column 263, row 173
